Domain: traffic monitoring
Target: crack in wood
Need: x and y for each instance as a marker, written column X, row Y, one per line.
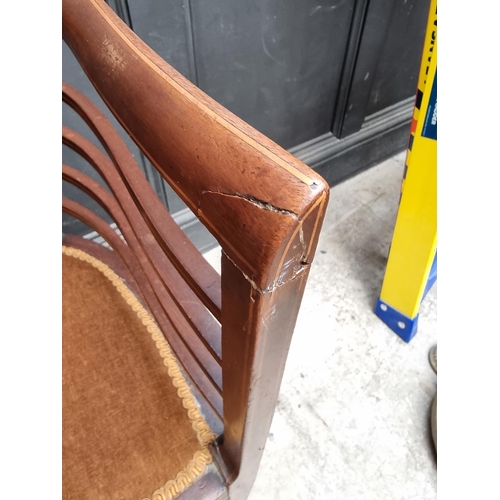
column 264, row 205
column 277, row 283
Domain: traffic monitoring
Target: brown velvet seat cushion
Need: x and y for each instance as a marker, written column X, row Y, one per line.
column 127, row 432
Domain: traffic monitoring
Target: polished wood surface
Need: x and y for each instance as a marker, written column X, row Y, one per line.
column 215, row 162
column 230, row 332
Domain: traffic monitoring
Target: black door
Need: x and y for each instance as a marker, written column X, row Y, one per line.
column 332, row 81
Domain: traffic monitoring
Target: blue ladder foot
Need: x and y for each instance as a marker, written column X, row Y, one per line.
column 404, row 327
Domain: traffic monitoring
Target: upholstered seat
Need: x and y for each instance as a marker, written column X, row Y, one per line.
column 131, row 426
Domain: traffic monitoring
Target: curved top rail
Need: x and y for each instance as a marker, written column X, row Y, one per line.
column 250, row 193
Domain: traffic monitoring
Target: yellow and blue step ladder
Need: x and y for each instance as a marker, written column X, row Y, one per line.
column 412, row 263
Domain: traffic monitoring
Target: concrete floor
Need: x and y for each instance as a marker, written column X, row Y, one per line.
column 352, row 421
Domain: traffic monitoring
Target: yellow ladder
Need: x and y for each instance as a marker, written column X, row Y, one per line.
column 412, row 264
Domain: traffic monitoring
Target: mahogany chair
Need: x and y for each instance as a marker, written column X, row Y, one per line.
column 171, row 372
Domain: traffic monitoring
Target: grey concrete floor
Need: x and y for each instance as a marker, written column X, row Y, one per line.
column 352, row 420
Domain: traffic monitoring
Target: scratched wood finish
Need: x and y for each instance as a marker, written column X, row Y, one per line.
column 263, row 205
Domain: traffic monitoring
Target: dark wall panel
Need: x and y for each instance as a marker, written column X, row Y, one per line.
column 399, row 60
column 274, row 63
column 165, row 27
column 330, row 80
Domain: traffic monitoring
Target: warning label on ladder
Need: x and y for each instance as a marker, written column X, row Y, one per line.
column 430, row 125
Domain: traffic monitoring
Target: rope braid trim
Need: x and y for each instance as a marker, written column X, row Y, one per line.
column 197, row 465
